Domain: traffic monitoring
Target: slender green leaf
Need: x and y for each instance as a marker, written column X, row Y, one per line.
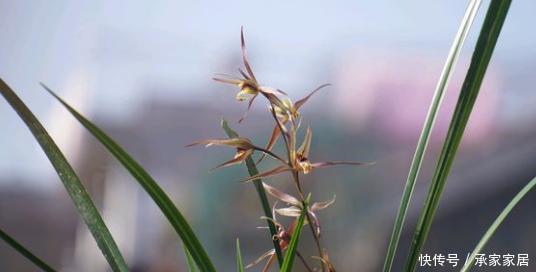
column 293, row 245
column 483, row 51
column 81, row 199
column 192, row 267
column 239, row 262
column 469, row 263
column 422, row 144
column 152, row 188
column 25, row 252
column 252, row 169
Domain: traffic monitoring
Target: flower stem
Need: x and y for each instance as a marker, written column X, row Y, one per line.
column 296, row 177
column 304, row 261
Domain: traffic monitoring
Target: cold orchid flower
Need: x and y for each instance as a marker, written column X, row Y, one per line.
column 283, row 236
column 244, row 149
column 248, row 84
column 285, row 111
column 295, row 206
column 301, row 161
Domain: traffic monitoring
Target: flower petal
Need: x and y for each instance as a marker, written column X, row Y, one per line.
column 227, row 76
column 269, row 90
column 315, row 223
column 281, row 92
column 238, row 142
column 269, row 263
column 275, row 171
column 239, row 157
column 273, row 99
column 243, row 74
column 262, row 257
column 271, row 142
column 306, row 144
column 289, row 211
column 317, row 206
column 281, row 196
column 302, row 101
column 247, row 110
column 228, row 81
column 273, row 220
column 325, row 260
column 245, row 55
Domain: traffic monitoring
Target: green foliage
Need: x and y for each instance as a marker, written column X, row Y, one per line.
column 469, row 263
column 190, row 261
column 418, row 157
column 239, row 262
column 81, row 199
column 172, row 213
column 487, row 40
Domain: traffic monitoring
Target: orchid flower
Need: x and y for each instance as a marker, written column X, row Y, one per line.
column 244, row 149
column 248, row 84
column 285, row 112
column 301, row 161
column 295, row 206
column 283, row 236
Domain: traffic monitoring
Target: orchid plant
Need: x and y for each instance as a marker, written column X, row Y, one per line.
column 287, row 121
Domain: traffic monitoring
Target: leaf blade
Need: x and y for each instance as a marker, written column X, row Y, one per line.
column 424, row 138
column 25, row 252
column 517, row 198
column 293, row 244
column 162, row 200
column 83, row 203
column 190, row 262
column 239, row 262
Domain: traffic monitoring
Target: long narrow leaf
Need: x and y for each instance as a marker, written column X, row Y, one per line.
column 293, row 244
column 25, row 252
column 497, row 223
column 252, row 169
column 81, row 199
column 192, row 267
column 422, row 144
column 485, row 45
column 172, row 213
column 239, row 262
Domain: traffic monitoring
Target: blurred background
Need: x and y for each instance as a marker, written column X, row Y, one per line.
column 142, row 71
